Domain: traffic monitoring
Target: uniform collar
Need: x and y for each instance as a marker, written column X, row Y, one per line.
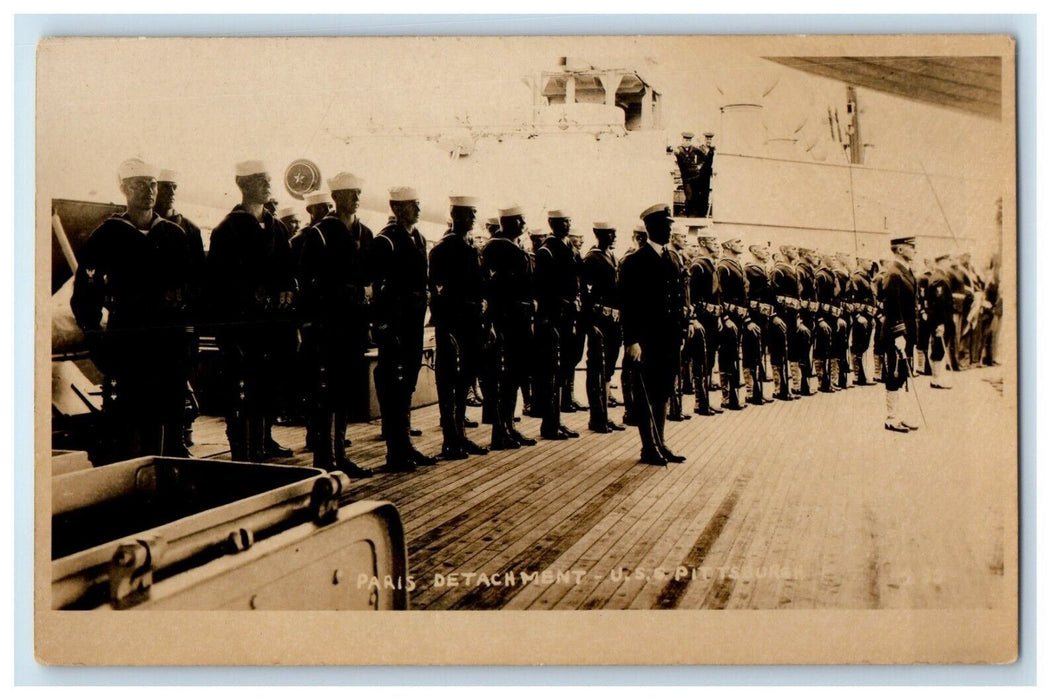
column 658, row 248
column 124, row 216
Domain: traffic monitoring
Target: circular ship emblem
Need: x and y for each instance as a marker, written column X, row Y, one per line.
column 301, row 177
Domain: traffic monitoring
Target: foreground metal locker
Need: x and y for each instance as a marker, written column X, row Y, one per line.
column 162, row 533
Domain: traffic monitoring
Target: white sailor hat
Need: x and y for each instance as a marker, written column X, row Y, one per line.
column 134, row 167
column 639, row 228
column 730, row 242
column 656, row 209
column 602, row 226
column 284, row 212
column 557, row 214
column 687, row 135
column 250, row 167
column 345, row 181
column 403, row 194
column 492, row 221
column 462, row 201
column 167, row 175
column 317, row 198
column 513, row 210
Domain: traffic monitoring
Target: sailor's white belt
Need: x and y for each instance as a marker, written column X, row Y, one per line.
column 608, row 312
column 714, row 309
column 764, row 308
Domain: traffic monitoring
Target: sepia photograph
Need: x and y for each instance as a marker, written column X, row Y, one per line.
column 523, row 350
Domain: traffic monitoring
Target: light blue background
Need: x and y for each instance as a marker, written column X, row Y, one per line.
column 30, row 28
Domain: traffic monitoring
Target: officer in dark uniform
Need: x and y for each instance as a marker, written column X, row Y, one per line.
column 455, row 309
column 763, row 311
column 599, row 277
column 140, row 267
column 508, row 289
column 250, row 277
column 737, row 329
column 164, row 207
column 864, row 309
column 707, row 305
column 704, row 184
column 939, row 314
column 652, row 321
column 689, row 160
column 334, row 275
column 898, row 333
column 558, row 305
column 399, row 300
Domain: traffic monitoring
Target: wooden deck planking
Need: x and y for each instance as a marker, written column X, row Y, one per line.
column 861, row 517
column 526, row 519
column 598, row 552
column 646, row 552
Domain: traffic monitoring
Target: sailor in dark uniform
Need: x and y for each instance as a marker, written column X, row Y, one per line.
column 652, row 321
column 508, row 289
column 557, row 289
column 939, row 314
column 828, row 318
column 250, row 277
column 842, row 269
column 864, row 310
column 676, row 248
column 455, row 309
column 573, row 349
column 737, row 328
column 529, row 388
column 806, row 279
column 707, row 305
column 485, row 379
column 764, row 313
column 630, row 417
column 140, row 268
column 164, row 207
column 317, row 205
column 399, row 300
column 289, row 217
column 787, row 293
column 899, row 331
column 334, row 276
column 492, row 226
column 599, row 277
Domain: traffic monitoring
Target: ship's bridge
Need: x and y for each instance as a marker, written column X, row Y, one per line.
column 579, row 94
